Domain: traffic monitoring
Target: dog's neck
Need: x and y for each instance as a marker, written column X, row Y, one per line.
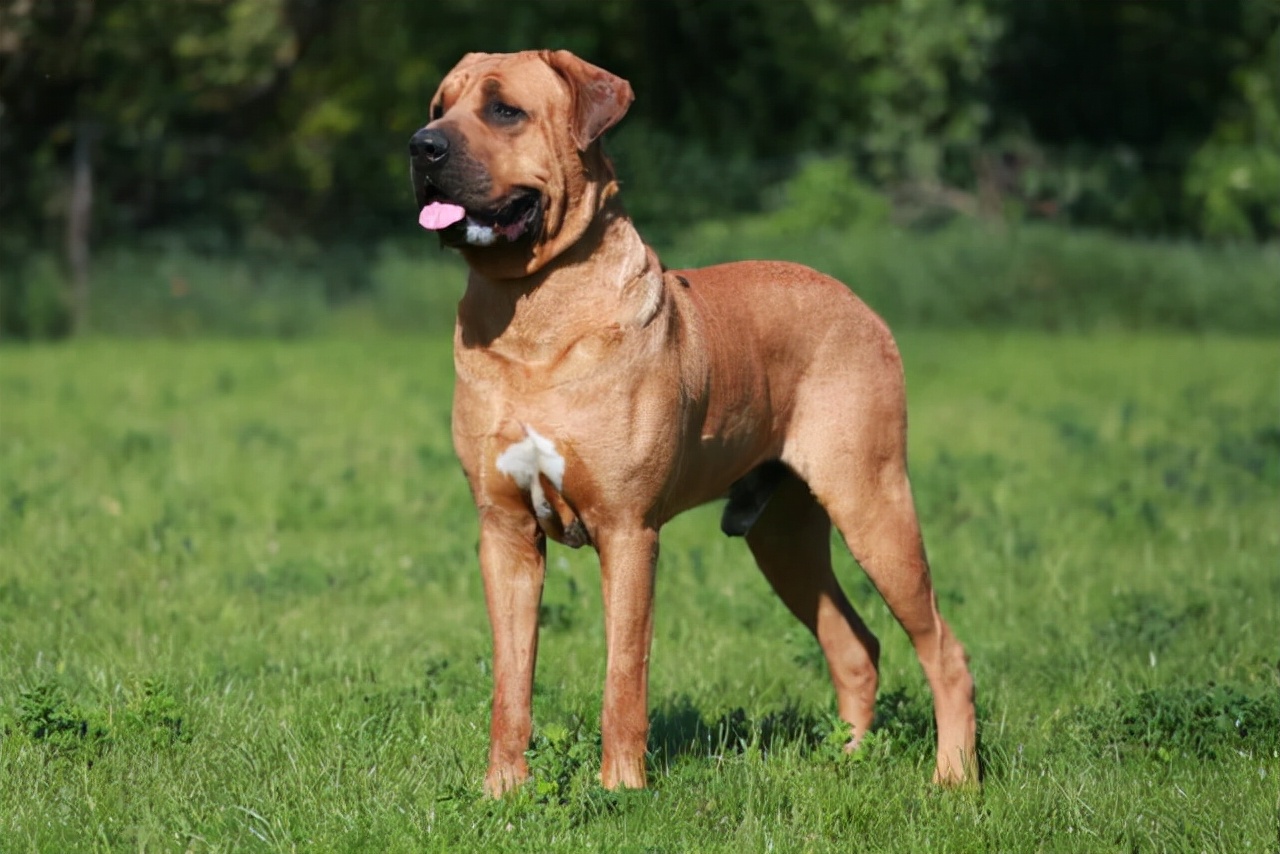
column 608, row 280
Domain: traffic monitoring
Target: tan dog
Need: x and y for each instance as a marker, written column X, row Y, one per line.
column 599, row 395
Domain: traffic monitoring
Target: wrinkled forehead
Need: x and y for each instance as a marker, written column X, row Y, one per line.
column 521, row 79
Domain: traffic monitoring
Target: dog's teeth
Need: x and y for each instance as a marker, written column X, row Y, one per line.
column 480, row 235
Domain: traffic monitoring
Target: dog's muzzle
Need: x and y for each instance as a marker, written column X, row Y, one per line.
column 453, row 195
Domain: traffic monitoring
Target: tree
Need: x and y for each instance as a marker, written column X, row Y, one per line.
column 137, row 104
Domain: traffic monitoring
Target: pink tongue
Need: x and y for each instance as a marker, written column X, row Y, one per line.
column 438, row 215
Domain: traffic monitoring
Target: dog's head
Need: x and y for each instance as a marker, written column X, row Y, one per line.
column 509, row 169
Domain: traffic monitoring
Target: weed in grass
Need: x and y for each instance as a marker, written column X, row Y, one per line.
column 807, row 653
column 1257, row 454
column 563, row 757
column 136, row 444
column 1203, row 723
column 903, row 727
column 152, row 715
column 45, row 714
column 1148, row 623
column 260, row 433
column 155, row 713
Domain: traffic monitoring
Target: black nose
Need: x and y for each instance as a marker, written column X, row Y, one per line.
column 429, row 143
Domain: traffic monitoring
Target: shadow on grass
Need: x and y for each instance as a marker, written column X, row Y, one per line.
column 678, row 729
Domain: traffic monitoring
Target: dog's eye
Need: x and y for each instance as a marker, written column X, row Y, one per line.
column 437, row 110
column 505, row 113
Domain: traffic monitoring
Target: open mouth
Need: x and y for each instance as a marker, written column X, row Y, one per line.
column 514, row 217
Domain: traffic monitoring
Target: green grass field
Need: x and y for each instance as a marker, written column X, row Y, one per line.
column 240, row 610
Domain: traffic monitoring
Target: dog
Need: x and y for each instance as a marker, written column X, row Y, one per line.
column 599, row 395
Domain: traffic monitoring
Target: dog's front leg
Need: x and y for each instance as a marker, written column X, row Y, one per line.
column 627, row 560
column 513, row 563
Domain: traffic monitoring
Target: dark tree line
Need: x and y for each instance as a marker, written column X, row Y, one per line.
column 235, row 118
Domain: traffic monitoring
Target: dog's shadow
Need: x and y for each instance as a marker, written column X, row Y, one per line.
column 678, row 729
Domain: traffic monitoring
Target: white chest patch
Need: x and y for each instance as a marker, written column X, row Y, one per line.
column 525, row 460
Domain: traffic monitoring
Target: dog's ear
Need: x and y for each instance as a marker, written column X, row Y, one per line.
column 600, row 99
column 460, row 68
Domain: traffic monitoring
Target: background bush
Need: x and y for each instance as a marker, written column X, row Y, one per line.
column 277, row 128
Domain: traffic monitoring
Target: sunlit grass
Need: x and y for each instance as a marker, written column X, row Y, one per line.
column 240, row 610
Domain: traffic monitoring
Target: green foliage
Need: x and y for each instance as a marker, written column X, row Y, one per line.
column 825, row 195
column 1178, row 144
column 171, row 290
column 670, row 180
column 964, row 275
column 45, row 714
column 1233, row 179
column 152, row 81
column 410, row 287
column 174, row 286
column 1027, row 276
column 564, row 758
column 916, row 71
column 1235, row 188
column 1166, row 723
column 903, row 728
column 151, row 717
column 263, row 119
column 155, row 714
column 1144, row 622
column 33, row 301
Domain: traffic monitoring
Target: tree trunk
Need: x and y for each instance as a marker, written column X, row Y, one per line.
column 79, row 216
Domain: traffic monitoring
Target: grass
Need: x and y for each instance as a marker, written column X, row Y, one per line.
column 240, row 610
column 1020, row 275
column 966, row 275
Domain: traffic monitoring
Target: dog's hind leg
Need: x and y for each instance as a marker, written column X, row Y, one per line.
column 791, row 542
column 882, row 531
column 860, row 478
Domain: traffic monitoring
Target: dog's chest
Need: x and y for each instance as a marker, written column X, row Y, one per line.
column 571, row 459
column 575, row 439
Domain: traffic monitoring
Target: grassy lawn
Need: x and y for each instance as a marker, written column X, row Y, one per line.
column 240, row 610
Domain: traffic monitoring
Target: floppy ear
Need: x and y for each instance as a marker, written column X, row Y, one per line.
column 600, row 99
